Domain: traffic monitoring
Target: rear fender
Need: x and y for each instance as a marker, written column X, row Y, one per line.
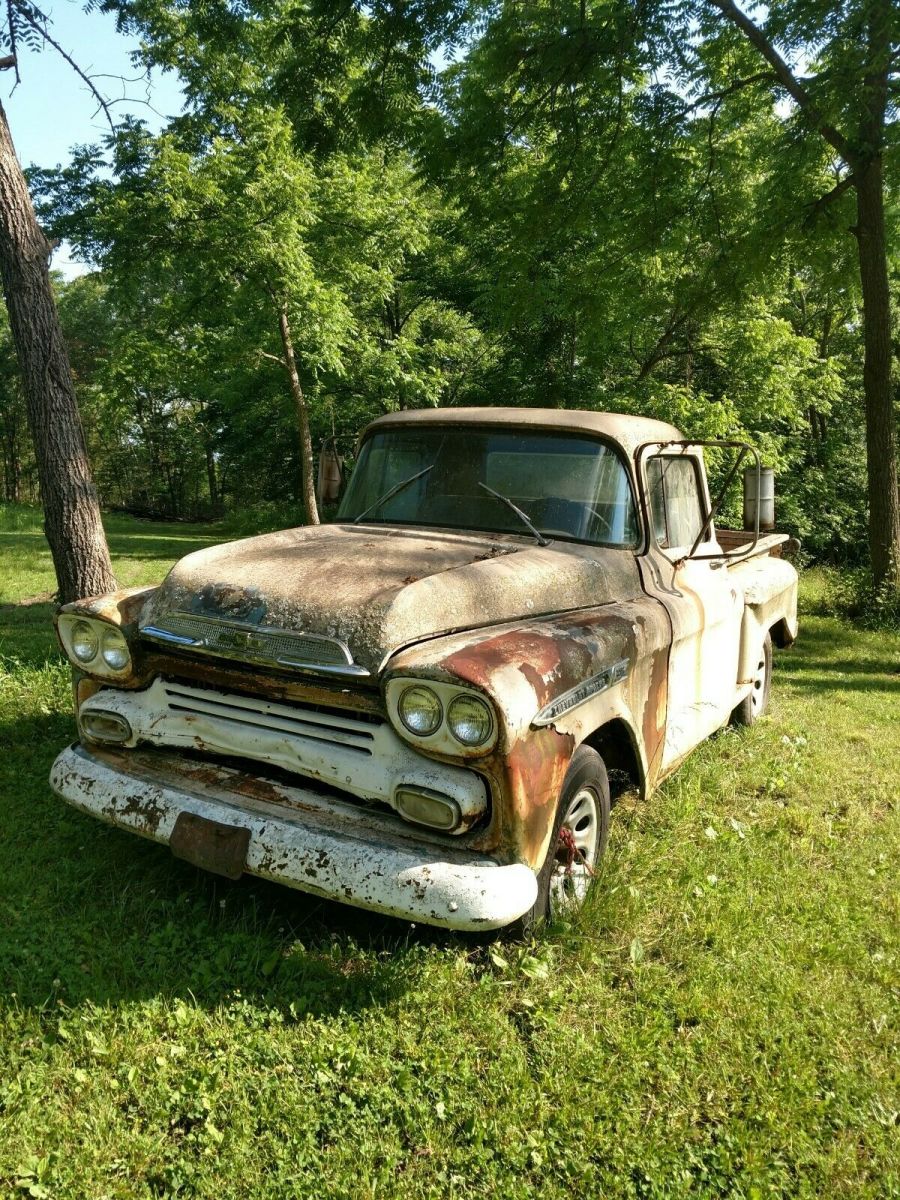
column 770, row 602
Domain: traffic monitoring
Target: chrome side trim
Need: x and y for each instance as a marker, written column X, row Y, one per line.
column 581, row 693
column 163, row 635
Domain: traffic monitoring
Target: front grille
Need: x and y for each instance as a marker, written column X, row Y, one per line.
column 310, row 722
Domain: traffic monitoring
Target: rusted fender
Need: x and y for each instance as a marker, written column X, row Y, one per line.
column 522, row 668
column 122, row 608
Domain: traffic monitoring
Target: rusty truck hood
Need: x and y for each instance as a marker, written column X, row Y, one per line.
column 379, row 588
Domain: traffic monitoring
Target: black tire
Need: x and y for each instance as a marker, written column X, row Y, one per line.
column 755, row 703
column 586, row 774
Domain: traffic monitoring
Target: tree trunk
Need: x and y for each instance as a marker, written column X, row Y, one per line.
column 306, row 450
column 881, row 437
column 211, row 478
column 71, row 512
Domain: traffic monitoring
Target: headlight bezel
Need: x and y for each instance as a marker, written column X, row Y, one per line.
column 442, row 739
column 104, row 631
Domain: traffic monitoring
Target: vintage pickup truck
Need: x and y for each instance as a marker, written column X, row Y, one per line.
column 419, row 709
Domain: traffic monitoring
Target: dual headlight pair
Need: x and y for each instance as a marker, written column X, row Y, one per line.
column 96, row 646
column 433, row 711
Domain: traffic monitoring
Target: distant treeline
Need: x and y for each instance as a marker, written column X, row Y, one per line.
column 548, row 218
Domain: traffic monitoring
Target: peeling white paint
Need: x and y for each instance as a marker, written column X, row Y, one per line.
column 365, row 758
column 309, row 844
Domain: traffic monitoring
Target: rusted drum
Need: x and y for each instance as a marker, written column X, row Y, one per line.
column 766, row 493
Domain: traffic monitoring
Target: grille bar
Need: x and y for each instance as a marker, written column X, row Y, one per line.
column 309, row 723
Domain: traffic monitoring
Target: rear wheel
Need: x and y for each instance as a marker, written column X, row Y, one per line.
column 577, row 842
column 754, row 704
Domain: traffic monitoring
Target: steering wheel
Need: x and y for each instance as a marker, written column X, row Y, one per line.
column 605, row 523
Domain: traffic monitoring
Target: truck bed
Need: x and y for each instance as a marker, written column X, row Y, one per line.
column 769, row 543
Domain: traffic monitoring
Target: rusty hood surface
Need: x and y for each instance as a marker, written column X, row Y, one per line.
column 379, row 588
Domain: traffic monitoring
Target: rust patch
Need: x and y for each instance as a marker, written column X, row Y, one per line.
column 537, row 768
column 148, row 812
column 121, row 608
column 653, row 720
column 210, row 845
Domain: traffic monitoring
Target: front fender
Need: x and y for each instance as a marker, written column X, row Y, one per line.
column 523, row 668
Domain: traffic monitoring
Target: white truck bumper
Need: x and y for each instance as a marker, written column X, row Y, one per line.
column 293, row 835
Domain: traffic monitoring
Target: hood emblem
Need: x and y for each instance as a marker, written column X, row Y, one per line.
column 234, row 639
column 312, row 653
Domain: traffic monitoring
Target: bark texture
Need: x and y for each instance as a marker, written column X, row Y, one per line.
column 881, row 437
column 863, row 153
column 71, row 512
column 306, row 450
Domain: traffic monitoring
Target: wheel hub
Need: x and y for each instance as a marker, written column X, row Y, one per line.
column 575, row 853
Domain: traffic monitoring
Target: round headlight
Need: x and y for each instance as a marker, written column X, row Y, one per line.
column 420, row 711
column 85, row 642
column 470, row 720
column 114, row 649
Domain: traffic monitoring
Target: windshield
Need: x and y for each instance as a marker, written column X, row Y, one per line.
column 568, row 486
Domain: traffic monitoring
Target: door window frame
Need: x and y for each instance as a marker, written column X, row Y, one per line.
column 689, row 447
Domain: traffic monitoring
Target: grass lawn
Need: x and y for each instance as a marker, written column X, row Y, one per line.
column 722, row 1021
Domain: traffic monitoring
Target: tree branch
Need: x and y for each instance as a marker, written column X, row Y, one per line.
column 13, row 59
column 737, row 86
column 817, row 207
column 787, row 79
column 51, row 41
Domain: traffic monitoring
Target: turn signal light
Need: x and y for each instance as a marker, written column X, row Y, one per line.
column 428, row 808
column 102, row 726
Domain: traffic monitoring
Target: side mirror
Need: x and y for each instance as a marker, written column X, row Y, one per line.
column 330, row 477
column 759, row 498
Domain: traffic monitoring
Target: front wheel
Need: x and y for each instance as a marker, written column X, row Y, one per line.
column 754, row 704
column 577, row 842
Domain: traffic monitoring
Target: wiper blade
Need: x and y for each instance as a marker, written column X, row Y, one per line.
column 541, row 540
column 398, row 487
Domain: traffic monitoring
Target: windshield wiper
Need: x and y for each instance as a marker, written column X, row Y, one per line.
column 398, row 487
column 541, row 540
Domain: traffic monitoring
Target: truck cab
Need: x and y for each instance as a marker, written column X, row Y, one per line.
column 426, row 707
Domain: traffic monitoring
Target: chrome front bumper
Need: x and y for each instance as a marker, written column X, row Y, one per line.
column 299, row 837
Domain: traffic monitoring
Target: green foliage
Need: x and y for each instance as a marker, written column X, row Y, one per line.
column 583, row 205
column 852, row 595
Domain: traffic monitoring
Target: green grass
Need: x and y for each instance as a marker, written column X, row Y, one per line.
column 721, row 1022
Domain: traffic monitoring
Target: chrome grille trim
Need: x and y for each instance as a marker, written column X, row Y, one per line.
column 312, row 653
column 308, row 723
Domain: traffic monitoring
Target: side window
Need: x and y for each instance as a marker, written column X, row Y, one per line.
column 675, row 507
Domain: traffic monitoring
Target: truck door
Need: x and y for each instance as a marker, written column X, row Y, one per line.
column 704, row 606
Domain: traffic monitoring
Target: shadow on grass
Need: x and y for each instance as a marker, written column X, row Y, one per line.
column 823, row 660
column 27, row 633
column 92, row 913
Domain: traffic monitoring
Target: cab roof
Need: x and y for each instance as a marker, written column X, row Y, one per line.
column 629, row 432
